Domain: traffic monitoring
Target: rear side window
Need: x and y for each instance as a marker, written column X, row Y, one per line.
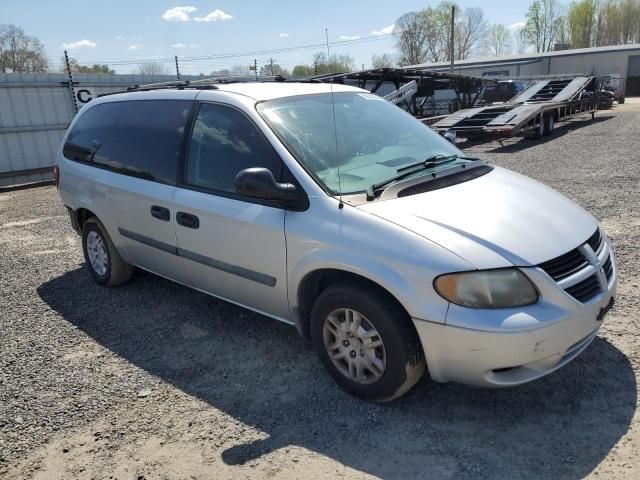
column 224, row 142
column 93, row 138
column 140, row 138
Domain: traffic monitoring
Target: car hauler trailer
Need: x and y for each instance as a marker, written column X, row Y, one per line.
column 425, row 94
column 532, row 113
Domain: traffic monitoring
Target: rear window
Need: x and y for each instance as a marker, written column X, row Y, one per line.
column 141, row 138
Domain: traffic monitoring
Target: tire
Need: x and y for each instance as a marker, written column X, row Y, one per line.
column 110, row 269
column 549, row 124
column 621, row 101
column 381, row 321
column 539, row 131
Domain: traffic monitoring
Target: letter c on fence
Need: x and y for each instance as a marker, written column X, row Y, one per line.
column 82, row 99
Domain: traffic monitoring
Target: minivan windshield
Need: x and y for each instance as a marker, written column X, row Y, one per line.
column 372, row 138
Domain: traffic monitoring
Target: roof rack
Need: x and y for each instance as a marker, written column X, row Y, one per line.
column 209, row 83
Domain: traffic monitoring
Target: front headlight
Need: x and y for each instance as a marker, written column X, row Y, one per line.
column 502, row 288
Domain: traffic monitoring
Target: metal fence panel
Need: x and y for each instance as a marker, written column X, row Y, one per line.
column 35, row 111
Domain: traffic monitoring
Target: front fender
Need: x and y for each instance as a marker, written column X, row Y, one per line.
column 413, row 290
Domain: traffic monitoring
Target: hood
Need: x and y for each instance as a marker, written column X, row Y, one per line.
column 496, row 220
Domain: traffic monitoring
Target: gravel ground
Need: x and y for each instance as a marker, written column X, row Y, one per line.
column 153, row 380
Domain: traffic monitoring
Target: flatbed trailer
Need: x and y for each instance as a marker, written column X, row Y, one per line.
column 532, row 113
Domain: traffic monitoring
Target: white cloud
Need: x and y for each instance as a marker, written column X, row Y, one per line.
column 214, row 16
column 134, row 47
column 79, row 44
column 384, row 31
column 178, row 14
column 119, row 37
column 516, row 26
column 284, row 35
column 349, row 37
column 184, row 45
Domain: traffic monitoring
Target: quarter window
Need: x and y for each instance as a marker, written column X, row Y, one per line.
column 140, row 138
column 224, row 142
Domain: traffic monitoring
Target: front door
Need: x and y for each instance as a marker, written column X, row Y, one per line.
column 232, row 246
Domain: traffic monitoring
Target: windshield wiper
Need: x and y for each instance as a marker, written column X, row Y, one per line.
column 409, row 170
column 429, row 162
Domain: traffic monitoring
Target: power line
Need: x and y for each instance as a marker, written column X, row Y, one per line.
column 252, row 53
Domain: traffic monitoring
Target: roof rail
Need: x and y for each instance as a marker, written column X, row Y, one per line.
column 208, row 83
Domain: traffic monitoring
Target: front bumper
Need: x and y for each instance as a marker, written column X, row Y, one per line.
column 507, row 347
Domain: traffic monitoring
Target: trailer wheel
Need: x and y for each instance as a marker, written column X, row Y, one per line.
column 540, row 130
column 549, row 124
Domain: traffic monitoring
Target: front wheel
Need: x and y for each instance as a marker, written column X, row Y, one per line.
column 366, row 342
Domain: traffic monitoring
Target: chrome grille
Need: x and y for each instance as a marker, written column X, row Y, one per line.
column 595, row 240
column 586, row 289
column 577, row 260
column 608, row 268
column 564, row 265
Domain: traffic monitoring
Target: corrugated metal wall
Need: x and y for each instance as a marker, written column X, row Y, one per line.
column 35, row 111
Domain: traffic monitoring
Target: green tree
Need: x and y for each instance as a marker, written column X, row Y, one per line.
column 302, row 71
column 336, row 63
column 274, row 69
column 240, row 71
column 20, row 53
column 424, row 36
column 77, row 68
column 498, row 40
column 582, row 23
column 386, row 60
column 470, row 31
column 544, row 23
column 412, row 38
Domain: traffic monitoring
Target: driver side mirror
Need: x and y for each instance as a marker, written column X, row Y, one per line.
column 258, row 182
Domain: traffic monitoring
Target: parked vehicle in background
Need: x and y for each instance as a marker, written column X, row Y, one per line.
column 502, row 91
column 442, row 102
column 329, row 208
column 615, row 84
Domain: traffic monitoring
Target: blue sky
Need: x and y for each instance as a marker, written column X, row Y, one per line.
column 108, row 31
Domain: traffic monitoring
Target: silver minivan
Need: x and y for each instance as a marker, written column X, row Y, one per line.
column 330, row 209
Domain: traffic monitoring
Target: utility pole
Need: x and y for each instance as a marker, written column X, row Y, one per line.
column 255, row 67
column 315, row 67
column 271, row 62
column 177, row 68
column 452, row 44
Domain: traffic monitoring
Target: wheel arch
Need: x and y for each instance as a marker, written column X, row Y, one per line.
column 82, row 215
column 316, row 281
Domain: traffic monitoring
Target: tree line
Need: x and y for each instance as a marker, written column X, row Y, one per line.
column 424, row 36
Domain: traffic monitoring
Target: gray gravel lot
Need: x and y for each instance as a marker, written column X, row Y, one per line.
column 153, row 380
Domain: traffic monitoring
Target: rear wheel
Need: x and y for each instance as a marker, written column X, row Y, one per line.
column 366, row 342
column 103, row 260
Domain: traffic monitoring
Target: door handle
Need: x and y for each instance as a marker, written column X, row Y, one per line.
column 187, row 220
column 161, row 213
